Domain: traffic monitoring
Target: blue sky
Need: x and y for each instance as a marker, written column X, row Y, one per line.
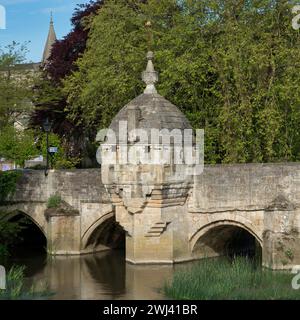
column 28, row 20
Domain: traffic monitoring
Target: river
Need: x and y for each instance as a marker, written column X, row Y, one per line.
column 98, row 276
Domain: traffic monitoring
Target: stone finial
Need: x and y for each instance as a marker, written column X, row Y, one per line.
column 150, row 76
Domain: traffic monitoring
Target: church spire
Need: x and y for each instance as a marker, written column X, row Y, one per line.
column 50, row 41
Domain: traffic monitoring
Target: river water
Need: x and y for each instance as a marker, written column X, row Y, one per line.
column 99, row 276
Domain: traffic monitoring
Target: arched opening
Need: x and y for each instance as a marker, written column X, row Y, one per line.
column 31, row 239
column 106, row 236
column 227, row 240
column 30, row 247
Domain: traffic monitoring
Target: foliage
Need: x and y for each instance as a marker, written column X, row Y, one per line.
column 9, row 235
column 54, row 201
column 8, row 181
column 17, row 145
column 20, row 146
column 16, row 288
column 220, row 279
column 15, row 84
column 108, row 73
column 237, row 82
column 4, row 253
column 49, row 100
column 66, row 51
column 59, row 160
column 9, row 231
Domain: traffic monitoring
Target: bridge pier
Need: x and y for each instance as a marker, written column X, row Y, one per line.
column 63, row 233
column 281, row 240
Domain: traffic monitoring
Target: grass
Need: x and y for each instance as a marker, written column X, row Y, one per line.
column 240, row 279
column 16, row 288
column 54, row 201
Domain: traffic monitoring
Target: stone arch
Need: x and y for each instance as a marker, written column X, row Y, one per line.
column 225, row 226
column 96, row 237
column 35, row 212
column 32, row 239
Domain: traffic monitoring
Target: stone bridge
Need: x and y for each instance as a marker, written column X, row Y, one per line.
column 256, row 200
column 164, row 210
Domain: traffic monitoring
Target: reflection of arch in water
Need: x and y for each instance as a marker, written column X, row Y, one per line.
column 103, row 234
column 225, row 237
column 106, row 270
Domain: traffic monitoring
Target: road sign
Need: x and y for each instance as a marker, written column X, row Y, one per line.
column 53, row 150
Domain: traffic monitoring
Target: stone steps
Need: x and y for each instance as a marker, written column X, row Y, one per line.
column 157, row 229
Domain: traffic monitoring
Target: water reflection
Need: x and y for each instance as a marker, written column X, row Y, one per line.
column 100, row 276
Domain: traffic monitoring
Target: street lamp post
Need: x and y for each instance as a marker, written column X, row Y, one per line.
column 47, row 128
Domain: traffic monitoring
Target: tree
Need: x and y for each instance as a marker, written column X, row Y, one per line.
column 237, row 82
column 15, row 95
column 49, row 100
column 17, row 145
column 15, row 83
column 109, row 72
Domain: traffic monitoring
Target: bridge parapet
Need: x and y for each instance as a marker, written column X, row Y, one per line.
column 74, row 186
column 244, row 187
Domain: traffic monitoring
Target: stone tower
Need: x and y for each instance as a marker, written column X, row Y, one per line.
column 146, row 172
column 50, row 41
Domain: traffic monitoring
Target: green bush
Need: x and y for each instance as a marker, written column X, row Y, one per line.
column 54, row 201
column 70, row 163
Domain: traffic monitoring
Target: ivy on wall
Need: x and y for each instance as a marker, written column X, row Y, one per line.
column 8, row 182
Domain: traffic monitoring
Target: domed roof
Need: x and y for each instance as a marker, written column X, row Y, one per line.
column 150, row 109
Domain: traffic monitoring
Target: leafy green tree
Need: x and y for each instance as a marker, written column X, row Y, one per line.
column 107, row 73
column 17, row 145
column 236, row 81
column 15, row 83
column 59, row 160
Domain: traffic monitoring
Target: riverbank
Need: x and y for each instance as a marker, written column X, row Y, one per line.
column 17, row 290
column 221, row 279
